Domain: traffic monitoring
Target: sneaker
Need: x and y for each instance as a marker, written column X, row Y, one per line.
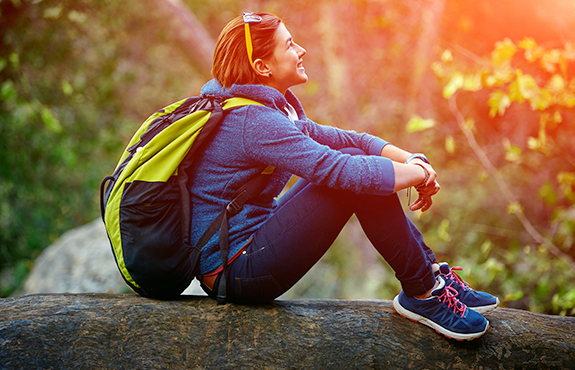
column 442, row 312
column 479, row 301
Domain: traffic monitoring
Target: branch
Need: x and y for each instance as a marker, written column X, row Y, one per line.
column 470, row 55
column 480, row 153
column 196, row 42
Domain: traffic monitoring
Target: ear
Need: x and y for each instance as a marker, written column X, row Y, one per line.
column 262, row 68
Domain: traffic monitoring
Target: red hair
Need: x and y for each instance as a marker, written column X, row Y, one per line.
column 231, row 64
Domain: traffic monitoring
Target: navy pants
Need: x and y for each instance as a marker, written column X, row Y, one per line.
column 308, row 220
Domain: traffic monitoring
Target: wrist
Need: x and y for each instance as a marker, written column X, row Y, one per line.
column 426, row 176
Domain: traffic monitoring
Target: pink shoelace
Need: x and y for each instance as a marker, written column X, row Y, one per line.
column 449, row 296
column 453, row 274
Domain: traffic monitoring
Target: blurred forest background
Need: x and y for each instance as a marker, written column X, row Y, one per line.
column 485, row 88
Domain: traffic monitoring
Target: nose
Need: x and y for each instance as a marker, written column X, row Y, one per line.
column 301, row 51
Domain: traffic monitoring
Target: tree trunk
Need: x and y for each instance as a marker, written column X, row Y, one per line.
column 418, row 95
column 83, row 331
column 196, row 42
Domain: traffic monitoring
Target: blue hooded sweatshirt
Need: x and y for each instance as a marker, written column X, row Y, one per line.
column 252, row 137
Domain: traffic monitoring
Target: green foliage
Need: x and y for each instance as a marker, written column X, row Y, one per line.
column 44, row 134
column 530, row 91
column 416, row 123
column 73, row 85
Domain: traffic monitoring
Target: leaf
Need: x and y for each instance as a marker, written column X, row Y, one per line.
column 567, row 99
column 542, row 139
column 556, row 84
column 515, row 93
column 454, row 84
column 509, row 297
column 569, row 51
column 550, row 59
column 514, row 208
column 542, row 100
column 503, row 52
column 547, row 194
column 438, row 69
column 557, row 118
column 67, row 88
column 534, row 143
column 447, row 56
column 77, row 17
column 469, row 124
column 14, row 60
column 532, row 55
column 50, row 120
column 416, row 123
column 513, row 152
column 566, row 181
column 472, row 83
column 450, row 144
column 486, row 246
column 53, row 12
column 8, row 91
column 527, row 43
column 528, row 88
column 525, row 88
column 443, row 230
column 501, row 75
column 498, row 102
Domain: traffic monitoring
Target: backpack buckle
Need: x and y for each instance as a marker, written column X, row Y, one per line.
column 234, row 207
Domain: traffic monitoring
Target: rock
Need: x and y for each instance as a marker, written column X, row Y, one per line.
column 81, row 261
column 82, row 331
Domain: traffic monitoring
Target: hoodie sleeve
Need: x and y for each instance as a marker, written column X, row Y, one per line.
column 270, row 138
column 337, row 138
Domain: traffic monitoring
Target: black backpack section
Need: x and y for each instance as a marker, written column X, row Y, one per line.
column 149, row 227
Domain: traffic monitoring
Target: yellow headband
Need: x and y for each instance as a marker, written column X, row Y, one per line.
column 250, row 18
column 249, row 45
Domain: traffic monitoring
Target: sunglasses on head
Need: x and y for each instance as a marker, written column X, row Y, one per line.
column 250, row 18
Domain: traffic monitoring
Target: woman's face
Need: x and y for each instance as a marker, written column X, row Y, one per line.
column 286, row 63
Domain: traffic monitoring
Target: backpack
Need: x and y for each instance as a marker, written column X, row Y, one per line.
column 145, row 203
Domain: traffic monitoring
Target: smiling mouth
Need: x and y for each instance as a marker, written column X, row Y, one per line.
column 300, row 64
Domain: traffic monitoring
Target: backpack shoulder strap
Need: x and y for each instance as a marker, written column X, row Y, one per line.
column 236, row 102
column 245, row 193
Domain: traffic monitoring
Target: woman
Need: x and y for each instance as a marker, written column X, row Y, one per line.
column 273, row 243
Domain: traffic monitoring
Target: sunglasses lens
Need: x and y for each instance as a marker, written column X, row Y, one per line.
column 252, row 18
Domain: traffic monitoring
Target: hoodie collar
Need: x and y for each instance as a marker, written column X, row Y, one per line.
column 261, row 93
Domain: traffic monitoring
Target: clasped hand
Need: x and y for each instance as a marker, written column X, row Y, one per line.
column 424, row 201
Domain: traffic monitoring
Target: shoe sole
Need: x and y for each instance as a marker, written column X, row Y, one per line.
column 438, row 328
column 484, row 309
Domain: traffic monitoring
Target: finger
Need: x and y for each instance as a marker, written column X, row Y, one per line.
column 428, row 190
column 427, row 205
column 421, row 203
column 424, row 203
column 432, row 177
column 433, row 189
column 437, row 188
column 417, row 204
